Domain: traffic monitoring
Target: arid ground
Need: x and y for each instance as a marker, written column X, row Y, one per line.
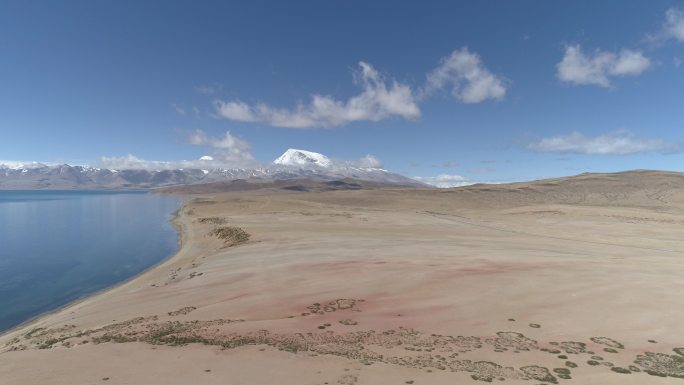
column 577, row 280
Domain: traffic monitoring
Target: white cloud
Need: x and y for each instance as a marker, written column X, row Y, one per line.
column 444, row 180
column 462, row 72
column 450, row 180
column 674, row 24
column 230, row 152
column 225, row 142
column 617, row 143
column 14, row 164
column 235, row 110
column 597, row 68
column 369, row 161
column 630, row 63
column 379, row 100
column 132, row 162
column 469, row 80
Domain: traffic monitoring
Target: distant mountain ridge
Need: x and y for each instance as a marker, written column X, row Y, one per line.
column 290, row 185
column 293, row 164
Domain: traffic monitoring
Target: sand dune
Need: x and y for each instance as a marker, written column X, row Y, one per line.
column 573, row 280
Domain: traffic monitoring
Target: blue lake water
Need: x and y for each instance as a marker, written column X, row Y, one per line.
column 58, row 246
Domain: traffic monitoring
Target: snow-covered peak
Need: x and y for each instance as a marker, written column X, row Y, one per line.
column 293, row 157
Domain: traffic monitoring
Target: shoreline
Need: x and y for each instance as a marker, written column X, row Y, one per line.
column 181, row 240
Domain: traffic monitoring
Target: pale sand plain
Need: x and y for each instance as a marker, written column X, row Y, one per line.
column 574, row 281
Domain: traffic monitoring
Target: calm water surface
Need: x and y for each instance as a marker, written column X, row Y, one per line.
column 58, row 246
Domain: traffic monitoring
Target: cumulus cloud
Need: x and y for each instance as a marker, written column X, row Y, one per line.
column 380, row 99
column 596, row 68
column 230, row 149
column 229, row 152
column 236, row 110
column 462, row 72
column 466, row 76
column 617, row 143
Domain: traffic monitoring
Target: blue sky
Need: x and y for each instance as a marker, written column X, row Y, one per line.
column 474, row 91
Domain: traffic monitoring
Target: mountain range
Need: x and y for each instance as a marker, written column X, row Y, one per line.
column 293, row 164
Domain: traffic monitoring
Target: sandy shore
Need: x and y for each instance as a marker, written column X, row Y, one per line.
column 382, row 287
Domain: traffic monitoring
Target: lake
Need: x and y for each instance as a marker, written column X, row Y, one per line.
column 58, row 246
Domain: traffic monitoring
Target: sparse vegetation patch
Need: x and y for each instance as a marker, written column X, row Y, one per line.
column 232, row 235
column 417, row 350
column 212, row 220
column 182, row 311
column 661, row 364
column 620, row 370
column 611, row 343
column 539, row 373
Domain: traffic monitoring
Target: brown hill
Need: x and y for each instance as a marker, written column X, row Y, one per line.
column 630, row 188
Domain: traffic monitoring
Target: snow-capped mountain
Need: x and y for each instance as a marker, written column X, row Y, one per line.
column 293, row 157
column 291, row 165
